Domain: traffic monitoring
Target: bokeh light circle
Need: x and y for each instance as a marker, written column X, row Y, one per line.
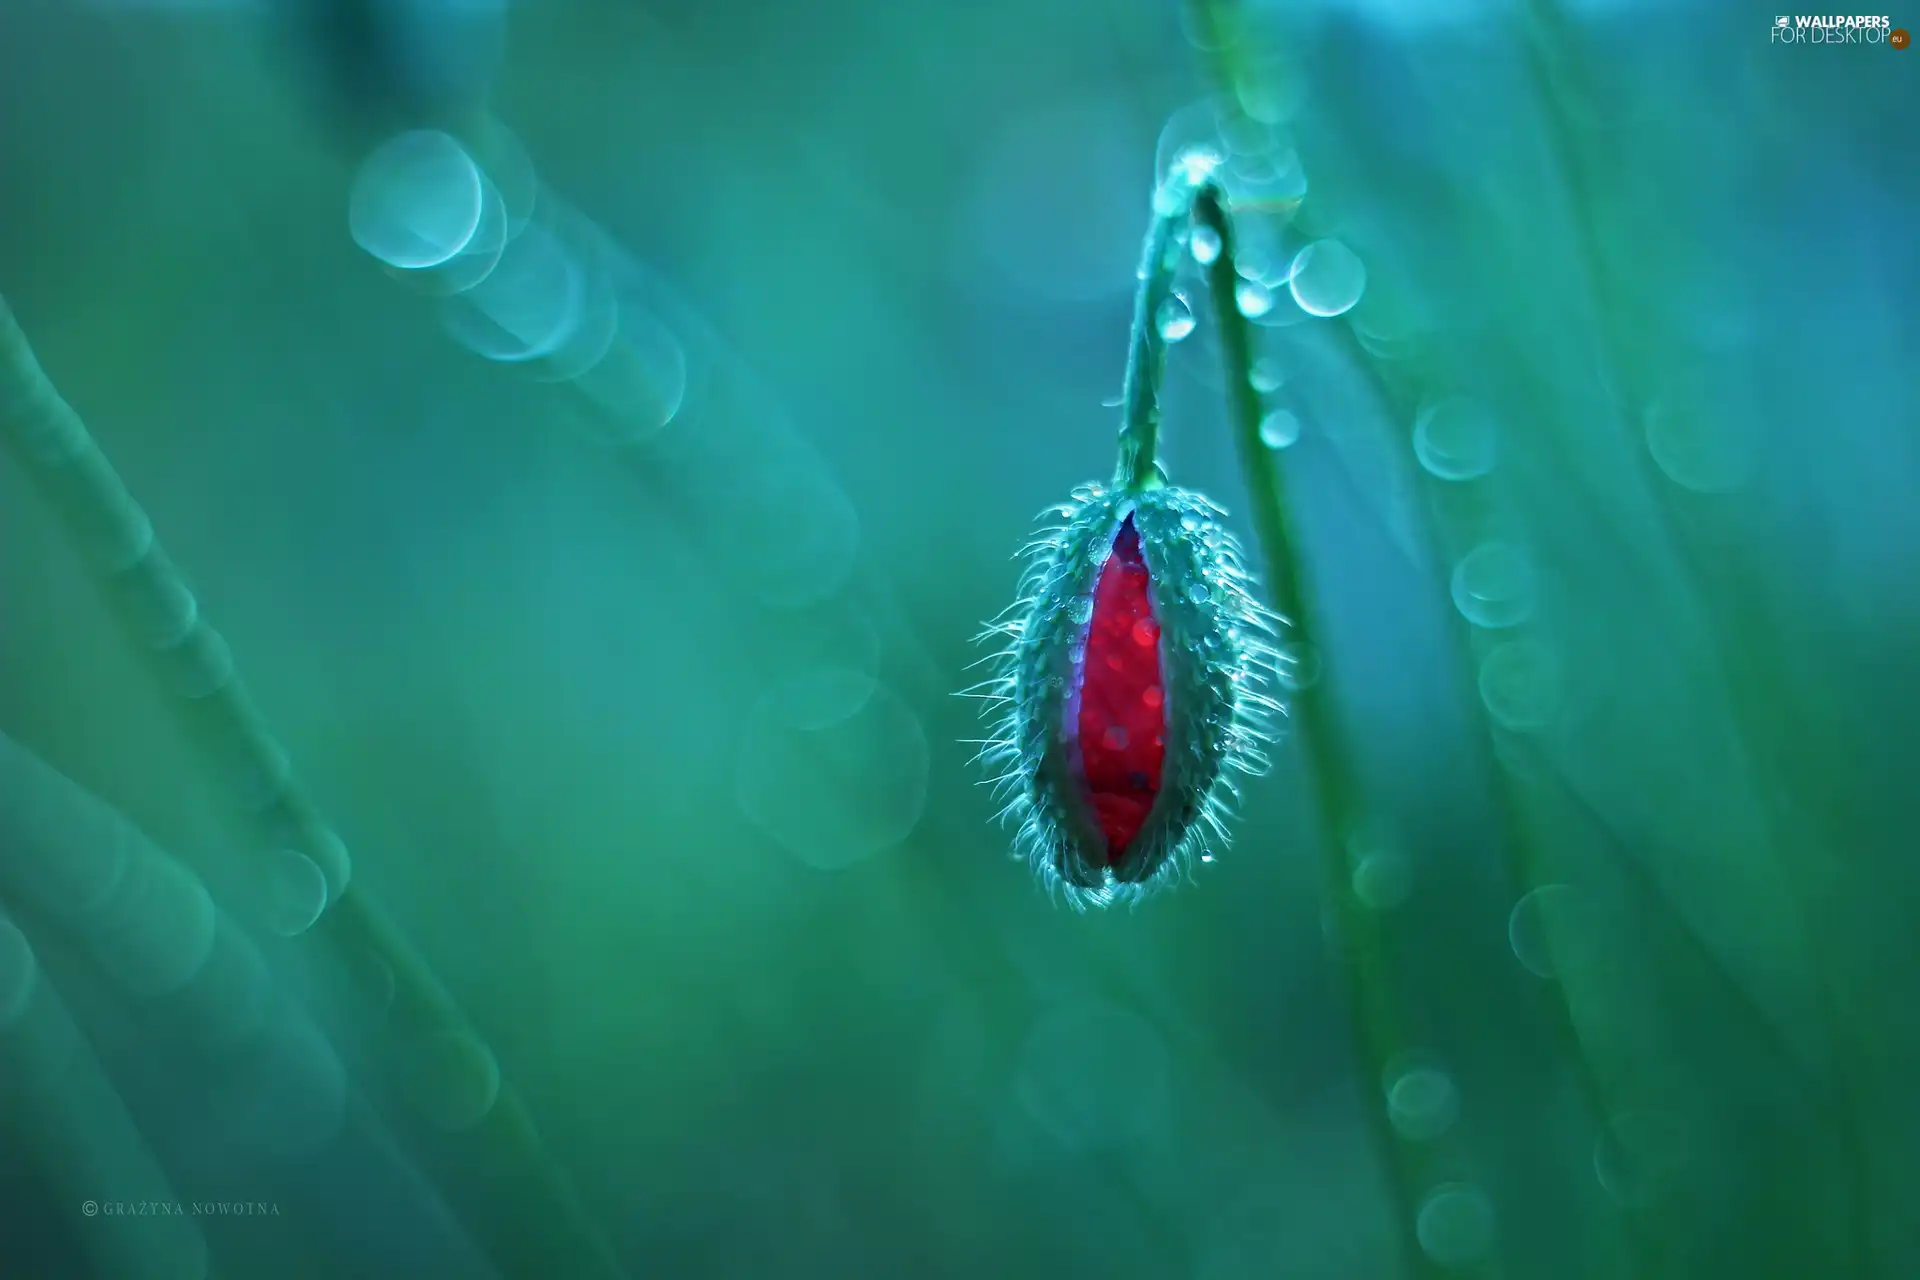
column 451, row 1077
column 1493, row 586
column 1328, row 278
column 1456, row 439
column 832, row 767
column 416, row 200
column 1455, row 1225
column 293, row 892
column 1423, row 1102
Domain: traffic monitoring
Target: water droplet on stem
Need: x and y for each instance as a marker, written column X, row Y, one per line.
column 1174, row 319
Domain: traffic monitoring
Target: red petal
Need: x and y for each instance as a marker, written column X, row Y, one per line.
column 1123, row 718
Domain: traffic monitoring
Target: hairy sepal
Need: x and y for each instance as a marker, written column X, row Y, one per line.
column 1217, row 654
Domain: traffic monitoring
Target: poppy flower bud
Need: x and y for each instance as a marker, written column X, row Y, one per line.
column 1134, row 681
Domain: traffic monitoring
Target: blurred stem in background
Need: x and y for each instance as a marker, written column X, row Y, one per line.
column 1750, row 677
column 1379, row 1029
column 1759, row 686
column 522, row 1206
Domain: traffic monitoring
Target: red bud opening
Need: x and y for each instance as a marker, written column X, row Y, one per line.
column 1123, row 713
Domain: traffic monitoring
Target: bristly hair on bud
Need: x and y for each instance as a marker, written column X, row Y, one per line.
column 1136, row 676
column 1137, row 672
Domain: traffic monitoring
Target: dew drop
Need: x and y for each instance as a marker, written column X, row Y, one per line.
column 201, row 665
column 162, row 611
column 1083, row 610
column 1174, row 319
column 293, row 892
column 1151, row 696
column 1190, row 142
column 1493, row 586
column 1284, row 312
column 1328, row 278
column 529, row 307
column 1198, row 593
column 1697, row 441
column 1455, row 1225
column 640, row 381
column 1146, row 632
column 1115, row 738
column 1554, row 931
column 1266, row 376
column 452, row 1079
column 1520, row 684
column 1279, row 428
column 1253, row 298
column 1455, row 439
column 1422, row 1100
column 1205, row 245
column 416, row 201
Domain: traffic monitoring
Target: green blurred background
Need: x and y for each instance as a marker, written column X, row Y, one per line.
column 652, row 757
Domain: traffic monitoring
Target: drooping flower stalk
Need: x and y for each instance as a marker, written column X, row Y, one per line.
column 1147, row 347
column 1137, row 615
column 1135, row 678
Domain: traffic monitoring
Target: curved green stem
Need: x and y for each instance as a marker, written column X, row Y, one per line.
column 1147, row 350
column 1377, row 1024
